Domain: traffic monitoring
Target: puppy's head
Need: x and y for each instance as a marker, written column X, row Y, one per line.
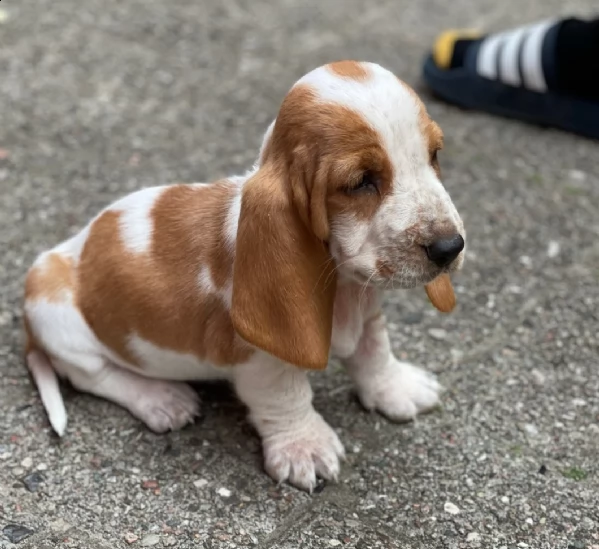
column 348, row 183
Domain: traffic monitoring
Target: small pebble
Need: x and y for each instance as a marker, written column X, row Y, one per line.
column 200, row 483
column 150, row 540
column 438, row 333
column 130, row 537
column 473, row 536
column 514, row 289
column 577, row 175
column 451, row 508
column 32, row 481
column 60, row 525
column 526, row 261
column 224, row 492
column 16, row 533
column 531, row 429
column 169, row 542
column 42, row 467
column 334, row 543
column 538, row 377
column 149, row 484
column 505, row 499
column 587, row 524
column 553, row 249
column 27, row 463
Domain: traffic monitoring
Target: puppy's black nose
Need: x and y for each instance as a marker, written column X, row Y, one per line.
column 444, row 251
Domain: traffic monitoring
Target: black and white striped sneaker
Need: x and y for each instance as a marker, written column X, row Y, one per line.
column 544, row 73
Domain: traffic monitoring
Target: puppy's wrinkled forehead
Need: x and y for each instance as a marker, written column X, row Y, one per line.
column 355, row 103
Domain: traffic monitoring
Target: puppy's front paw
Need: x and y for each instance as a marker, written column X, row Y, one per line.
column 302, row 452
column 401, row 392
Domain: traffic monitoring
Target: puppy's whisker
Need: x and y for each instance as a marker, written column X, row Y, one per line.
column 337, row 266
column 324, row 266
column 331, row 273
column 365, row 286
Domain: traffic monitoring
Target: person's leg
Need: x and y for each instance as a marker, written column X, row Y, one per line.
column 543, row 73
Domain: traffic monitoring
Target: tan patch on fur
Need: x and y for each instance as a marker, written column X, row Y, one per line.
column 284, row 281
column 349, row 69
column 157, row 295
column 51, row 279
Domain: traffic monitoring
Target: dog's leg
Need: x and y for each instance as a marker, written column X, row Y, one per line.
column 397, row 389
column 161, row 405
column 298, row 444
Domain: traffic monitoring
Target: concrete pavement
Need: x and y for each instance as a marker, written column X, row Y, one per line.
column 98, row 98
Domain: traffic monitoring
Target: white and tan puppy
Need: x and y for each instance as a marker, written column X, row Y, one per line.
column 260, row 278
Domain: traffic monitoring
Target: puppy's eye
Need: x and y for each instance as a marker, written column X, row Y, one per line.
column 368, row 183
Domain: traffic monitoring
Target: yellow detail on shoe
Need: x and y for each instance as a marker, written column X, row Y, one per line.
column 445, row 43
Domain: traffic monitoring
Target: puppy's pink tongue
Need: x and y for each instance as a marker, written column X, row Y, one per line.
column 440, row 292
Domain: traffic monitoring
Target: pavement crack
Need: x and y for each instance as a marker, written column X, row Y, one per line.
column 334, row 495
column 294, row 521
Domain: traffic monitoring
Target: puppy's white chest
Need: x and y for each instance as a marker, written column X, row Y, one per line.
column 353, row 305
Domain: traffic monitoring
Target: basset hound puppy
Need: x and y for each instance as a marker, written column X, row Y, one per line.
column 259, row 278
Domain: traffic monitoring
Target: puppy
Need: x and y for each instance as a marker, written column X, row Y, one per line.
column 258, row 279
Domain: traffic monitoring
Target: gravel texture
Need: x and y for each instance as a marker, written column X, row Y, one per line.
column 101, row 97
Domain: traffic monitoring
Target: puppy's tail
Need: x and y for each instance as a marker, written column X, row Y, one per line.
column 47, row 384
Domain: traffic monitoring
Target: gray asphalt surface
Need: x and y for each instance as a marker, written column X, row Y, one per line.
column 100, row 97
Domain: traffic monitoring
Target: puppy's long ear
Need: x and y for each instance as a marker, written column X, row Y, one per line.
column 283, row 277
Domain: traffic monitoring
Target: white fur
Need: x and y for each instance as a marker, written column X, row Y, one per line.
column 43, row 373
column 299, row 445
column 135, row 220
column 232, row 219
column 167, row 364
column 161, row 405
column 396, row 389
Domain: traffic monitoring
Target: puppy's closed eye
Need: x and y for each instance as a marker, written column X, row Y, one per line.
column 368, row 183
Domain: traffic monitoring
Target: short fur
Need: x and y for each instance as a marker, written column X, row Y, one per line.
column 258, row 278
